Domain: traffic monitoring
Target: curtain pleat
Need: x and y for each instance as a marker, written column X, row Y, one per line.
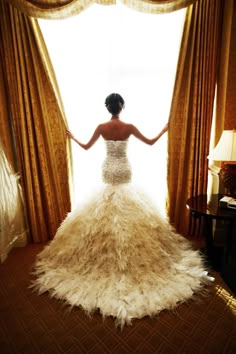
column 192, row 108
column 67, row 8
column 38, row 122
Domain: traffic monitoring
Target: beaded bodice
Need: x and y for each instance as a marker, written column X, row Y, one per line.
column 116, row 168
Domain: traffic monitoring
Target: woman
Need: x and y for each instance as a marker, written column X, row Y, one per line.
column 115, row 129
column 117, row 253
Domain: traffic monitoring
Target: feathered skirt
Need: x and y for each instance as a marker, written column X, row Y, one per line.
column 119, row 255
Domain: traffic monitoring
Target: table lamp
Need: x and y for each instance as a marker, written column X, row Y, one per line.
column 225, row 151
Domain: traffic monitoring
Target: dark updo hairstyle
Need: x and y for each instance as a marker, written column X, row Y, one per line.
column 114, row 103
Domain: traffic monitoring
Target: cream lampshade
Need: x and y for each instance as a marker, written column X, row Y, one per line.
column 225, row 151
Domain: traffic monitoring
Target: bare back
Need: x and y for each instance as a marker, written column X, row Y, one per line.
column 115, row 130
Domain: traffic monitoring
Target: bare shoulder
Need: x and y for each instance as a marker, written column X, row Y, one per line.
column 102, row 126
column 130, row 127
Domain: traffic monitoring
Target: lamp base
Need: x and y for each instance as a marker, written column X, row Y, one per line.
column 228, row 177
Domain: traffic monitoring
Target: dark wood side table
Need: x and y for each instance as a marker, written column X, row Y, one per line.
column 207, row 206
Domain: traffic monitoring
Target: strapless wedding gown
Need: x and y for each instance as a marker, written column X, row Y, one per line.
column 117, row 254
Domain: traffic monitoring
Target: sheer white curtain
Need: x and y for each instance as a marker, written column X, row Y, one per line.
column 109, row 49
column 12, row 222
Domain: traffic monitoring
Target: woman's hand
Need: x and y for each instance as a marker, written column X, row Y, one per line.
column 166, row 127
column 70, row 135
column 162, row 132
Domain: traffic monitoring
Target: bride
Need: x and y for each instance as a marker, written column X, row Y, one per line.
column 116, row 253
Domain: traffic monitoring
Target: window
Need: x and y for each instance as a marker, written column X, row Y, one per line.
column 109, row 49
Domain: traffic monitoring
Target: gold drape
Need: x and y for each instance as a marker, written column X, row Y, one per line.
column 36, row 114
column 67, row 8
column 192, row 108
column 225, row 102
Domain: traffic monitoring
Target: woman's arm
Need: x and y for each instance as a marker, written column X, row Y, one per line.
column 146, row 140
column 90, row 143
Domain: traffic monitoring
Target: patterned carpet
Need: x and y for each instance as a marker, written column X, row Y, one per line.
column 38, row 324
